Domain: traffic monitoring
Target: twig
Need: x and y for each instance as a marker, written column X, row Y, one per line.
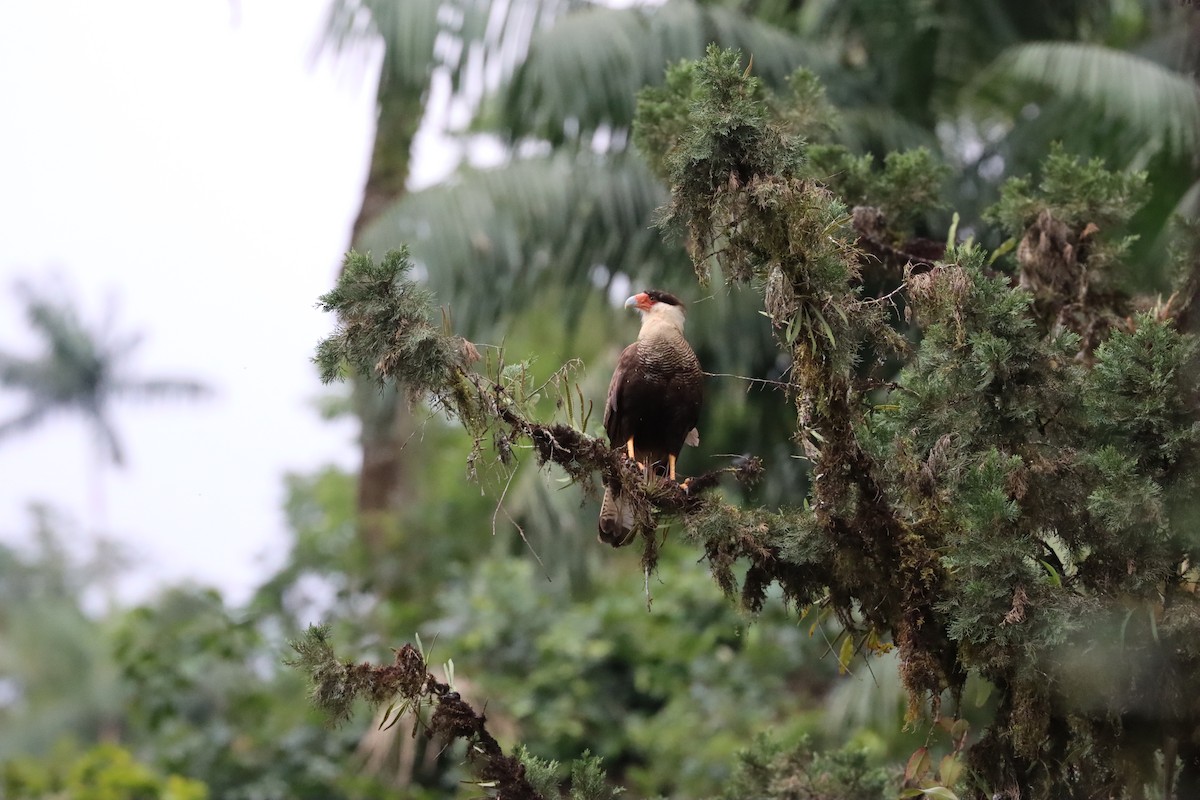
column 777, row 384
column 500, row 507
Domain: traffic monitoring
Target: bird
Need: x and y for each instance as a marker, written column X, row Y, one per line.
column 653, row 404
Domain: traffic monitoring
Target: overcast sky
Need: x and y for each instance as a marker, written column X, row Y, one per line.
column 194, row 163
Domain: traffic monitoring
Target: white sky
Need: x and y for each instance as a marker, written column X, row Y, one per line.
column 195, row 162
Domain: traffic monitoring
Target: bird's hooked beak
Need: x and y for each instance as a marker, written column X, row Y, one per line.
column 640, row 301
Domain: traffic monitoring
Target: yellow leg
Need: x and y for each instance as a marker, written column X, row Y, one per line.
column 633, row 458
column 671, row 466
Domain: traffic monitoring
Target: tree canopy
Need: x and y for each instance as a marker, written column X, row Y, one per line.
column 1012, row 501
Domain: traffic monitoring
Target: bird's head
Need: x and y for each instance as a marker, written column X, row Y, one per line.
column 654, row 306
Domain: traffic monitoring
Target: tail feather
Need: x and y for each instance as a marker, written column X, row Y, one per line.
column 616, row 520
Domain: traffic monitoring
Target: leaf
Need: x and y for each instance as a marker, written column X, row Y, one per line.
column 1007, row 246
column 481, row 224
column 875, row 645
column 400, row 712
column 793, row 328
column 918, row 765
column 827, row 330
column 1161, row 105
column 950, row 769
column 387, row 713
column 983, row 693
column 1055, row 578
column 940, row 792
column 822, row 615
column 584, row 71
column 846, row 655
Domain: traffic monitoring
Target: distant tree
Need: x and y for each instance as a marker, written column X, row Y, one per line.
column 79, row 370
column 104, row 772
column 1014, row 509
column 56, row 674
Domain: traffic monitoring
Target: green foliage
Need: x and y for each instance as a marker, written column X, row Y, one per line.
column 908, row 187
column 663, row 114
column 336, row 684
column 542, row 775
column 1069, row 225
column 106, row 772
column 1074, row 191
column 54, row 659
column 583, row 73
column 728, row 142
column 588, row 780
column 209, row 700
column 512, row 230
column 982, row 366
column 659, row 696
column 991, row 516
column 1160, row 104
column 1010, row 519
column 805, row 110
column 771, row 771
column 1138, row 393
column 383, row 326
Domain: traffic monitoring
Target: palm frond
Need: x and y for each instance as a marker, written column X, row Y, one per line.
column 881, row 128
column 26, row 420
column 1161, row 106
column 107, row 441
column 570, row 219
column 583, row 72
column 408, row 31
column 475, row 41
column 160, row 388
column 22, row 373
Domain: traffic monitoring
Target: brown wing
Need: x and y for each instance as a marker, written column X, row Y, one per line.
column 615, row 425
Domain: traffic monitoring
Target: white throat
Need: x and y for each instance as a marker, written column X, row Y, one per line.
column 662, row 319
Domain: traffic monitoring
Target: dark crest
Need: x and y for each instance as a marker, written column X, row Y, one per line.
column 664, row 297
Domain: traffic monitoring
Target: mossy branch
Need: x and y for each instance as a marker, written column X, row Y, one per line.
column 408, row 684
column 384, row 334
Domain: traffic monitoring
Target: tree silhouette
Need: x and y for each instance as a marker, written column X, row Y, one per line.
column 80, row 370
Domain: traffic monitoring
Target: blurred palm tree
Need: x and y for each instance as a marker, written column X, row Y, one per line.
column 421, row 40
column 79, row 370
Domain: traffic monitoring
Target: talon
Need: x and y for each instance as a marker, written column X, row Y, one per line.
column 686, row 485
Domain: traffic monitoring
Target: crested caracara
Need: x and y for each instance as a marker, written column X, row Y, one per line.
column 653, row 403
